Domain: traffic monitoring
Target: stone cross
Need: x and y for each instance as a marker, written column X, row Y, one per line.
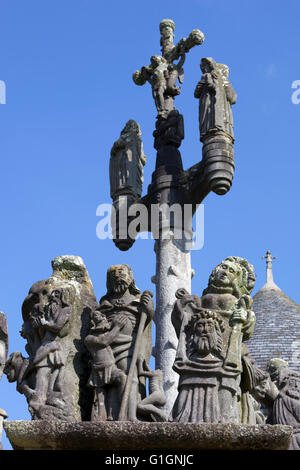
column 171, row 186
column 163, row 73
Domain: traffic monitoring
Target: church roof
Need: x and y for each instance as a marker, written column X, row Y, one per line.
column 277, row 329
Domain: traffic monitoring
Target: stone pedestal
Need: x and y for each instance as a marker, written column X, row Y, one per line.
column 54, row 435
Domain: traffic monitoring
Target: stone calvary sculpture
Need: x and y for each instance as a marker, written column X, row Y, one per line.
column 89, row 361
column 120, row 344
column 163, row 73
column 55, row 319
column 209, row 356
column 171, row 185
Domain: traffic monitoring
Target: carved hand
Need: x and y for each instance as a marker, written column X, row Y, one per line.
column 147, row 304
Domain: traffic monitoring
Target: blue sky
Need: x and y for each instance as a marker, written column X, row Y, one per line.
column 67, row 68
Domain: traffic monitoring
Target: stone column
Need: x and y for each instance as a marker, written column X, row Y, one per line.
column 173, row 271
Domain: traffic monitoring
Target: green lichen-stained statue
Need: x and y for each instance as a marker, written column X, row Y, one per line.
column 216, row 96
column 163, row 72
column 211, row 331
column 120, row 345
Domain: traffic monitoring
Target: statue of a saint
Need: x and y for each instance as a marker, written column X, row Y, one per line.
column 43, row 328
column 286, row 406
column 216, row 96
column 126, row 163
column 125, row 305
column 210, row 331
column 106, row 378
column 229, row 98
column 56, row 319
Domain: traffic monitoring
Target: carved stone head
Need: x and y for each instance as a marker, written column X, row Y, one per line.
column 100, row 324
column 131, row 127
column 156, row 60
column 205, row 333
column 120, row 279
column 274, row 367
column 167, row 28
column 208, row 64
column 233, row 275
column 56, row 296
column 13, row 366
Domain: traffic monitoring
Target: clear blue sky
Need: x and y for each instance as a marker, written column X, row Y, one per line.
column 67, row 68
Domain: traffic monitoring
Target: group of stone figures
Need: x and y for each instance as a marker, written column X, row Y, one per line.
column 90, row 361
column 214, row 90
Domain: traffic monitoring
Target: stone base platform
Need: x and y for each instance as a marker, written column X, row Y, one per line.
column 54, row 435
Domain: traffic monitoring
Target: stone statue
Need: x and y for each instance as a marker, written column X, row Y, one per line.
column 126, row 335
column 169, row 131
column 216, row 96
column 47, row 325
column 16, row 371
column 127, row 160
column 210, row 333
column 229, row 98
column 257, row 391
column 286, row 406
column 156, row 397
column 162, row 77
column 163, row 73
column 105, row 378
column 55, row 321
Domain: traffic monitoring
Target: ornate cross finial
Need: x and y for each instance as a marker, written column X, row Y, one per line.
column 163, row 73
column 269, row 259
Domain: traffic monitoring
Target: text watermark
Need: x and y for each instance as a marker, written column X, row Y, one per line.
column 296, row 94
column 163, row 222
column 2, row 92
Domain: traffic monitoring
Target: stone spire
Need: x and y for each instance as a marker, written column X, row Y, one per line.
column 270, row 284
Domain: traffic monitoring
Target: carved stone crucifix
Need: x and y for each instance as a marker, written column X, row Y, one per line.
column 163, row 73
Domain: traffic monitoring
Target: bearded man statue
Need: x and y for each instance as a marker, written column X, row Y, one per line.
column 124, row 305
column 211, row 331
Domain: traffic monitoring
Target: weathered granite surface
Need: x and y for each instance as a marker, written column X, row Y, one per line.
column 34, row 435
column 56, row 320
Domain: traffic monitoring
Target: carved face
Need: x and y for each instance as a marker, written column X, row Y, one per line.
column 156, row 60
column 100, row 321
column 120, row 278
column 206, row 65
column 11, row 366
column 55, row 296
column 226, row 273
column 205, row 336
column 131, row 126
column 274, row 367
column 261, row 390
